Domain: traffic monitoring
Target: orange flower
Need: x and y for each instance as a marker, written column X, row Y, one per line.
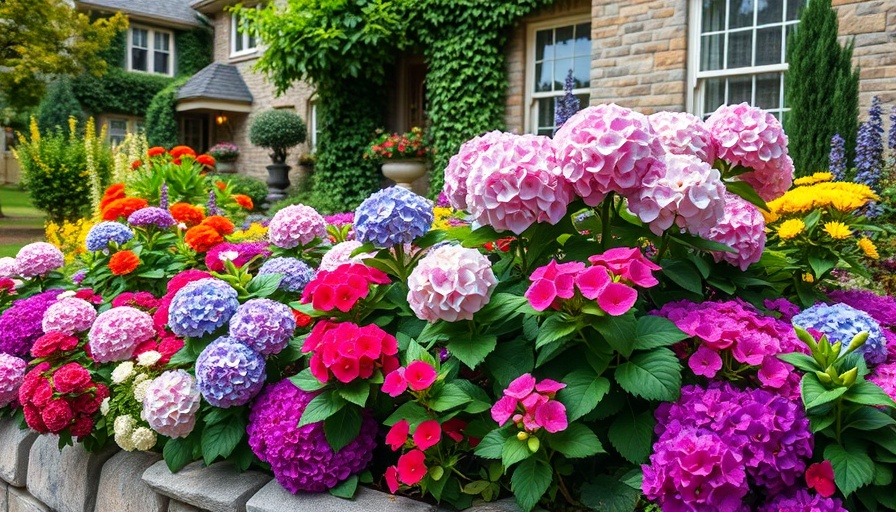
column 186, row 213
column 179, row 151
column 135, row 164
column 202, row 237
column 221, row 185
column 123, row 262
column 123, row 207
column 220, row 224
column 155, row 151
column 115, row 191
column 206, row 160
column 244, row 201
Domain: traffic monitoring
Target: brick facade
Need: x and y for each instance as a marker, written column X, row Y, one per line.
column 872, row 24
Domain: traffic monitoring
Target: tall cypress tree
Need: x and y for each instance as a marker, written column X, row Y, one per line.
column 821, row 88
column 58, row 105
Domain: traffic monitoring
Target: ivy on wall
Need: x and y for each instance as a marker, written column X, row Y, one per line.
column 194, row 50
column 161, row 125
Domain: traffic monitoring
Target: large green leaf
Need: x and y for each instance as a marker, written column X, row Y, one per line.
column 619, row 331
column 684, row 274
column 355, row 392
column 654, row 375
column 343, row 427
column 583, row 391
column 412, row 412
column 853, row 468
column 655, row 331
column 472, row 350
column 510, row 360
column 305, row 381
column 178, row 453
column 632, row 435
column 221, row 438
column 514, row 450
column 321, row 407
column 606, row 494
column 801, row 361
column 450, row 396
column 501, row 307
column 576, row 442
column 868, row 393
column 530, row 481
column 747, row 192
column 555, row 328
column 492, row 445
column 346, row 489
column 868, row 418
column 263, row 285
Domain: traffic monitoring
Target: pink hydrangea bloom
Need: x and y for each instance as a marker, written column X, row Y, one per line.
column 12, row 373
column 532, row 405
column 617, row 298
column 70, row 315
column 629, row 264
column 515, row 183
column 751, row 137
column 551, row 282
column 117, row 332
column 7, row 267
column 742, row 228
column 681, row 133
column 884, row 375
column 170, row 404
column 341, row 254
column 604, row 149
column 37, row 259
column 450, row 283
column 690, row 194
column 705, row 361
column 459, row 166
column 296, row 225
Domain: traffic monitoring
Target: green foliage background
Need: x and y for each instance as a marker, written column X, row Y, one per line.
column 161, row 126
column 58, row 105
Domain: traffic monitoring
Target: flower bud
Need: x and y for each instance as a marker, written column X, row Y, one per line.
column 436, row 472
column 522, row 436
column 849, row 377
column 857, row 341
column 534, row 444
column 823, row 377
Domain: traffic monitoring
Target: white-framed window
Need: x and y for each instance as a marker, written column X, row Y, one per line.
column 117, row 128
column 241, row 43
column 150, row 51
column 314, row 127
column 552, row 49
column 739, row 50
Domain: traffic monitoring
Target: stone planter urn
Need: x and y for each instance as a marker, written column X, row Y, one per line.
column 404, row 172
column 278, row 181
column 225, row 167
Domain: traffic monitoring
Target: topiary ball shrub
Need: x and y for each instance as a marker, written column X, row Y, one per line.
column 277, row 130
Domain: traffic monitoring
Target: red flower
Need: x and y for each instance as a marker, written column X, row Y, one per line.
column 155, row 151
column 123, row 263
column 420, row 375
column 428, row 434
column 392, row 479
column 71, row 378
column 411, row 467
column 186, row 213
column 53, row 342
column 85, row 404
column 820, row 476
column 82, row 426
column 220, row 224
column 454, row 429
column 244, row 201
column 57, row 415
column 202, row 238
column 398, row 435
column 115, row 191
column 302, row 320
column 179, row 151
column 123, row 207
column 33, row 419
column 221, row 185
column 206, row 160
column 135, row 164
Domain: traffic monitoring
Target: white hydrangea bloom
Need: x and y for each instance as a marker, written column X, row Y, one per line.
column 140, row 390
column 122, row 372
column 149, row 358
column 143, row 439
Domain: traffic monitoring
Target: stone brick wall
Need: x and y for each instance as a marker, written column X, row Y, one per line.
column 872, row 24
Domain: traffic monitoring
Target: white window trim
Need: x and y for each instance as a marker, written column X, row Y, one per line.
column 312, row 118
column 151, row 49
column 132, row 124
column 234, row 33
column 531, row 96
column 695, row 99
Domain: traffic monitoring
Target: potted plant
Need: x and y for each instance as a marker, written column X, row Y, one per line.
column 225, row 154
column 278, row 131
column 403, row 156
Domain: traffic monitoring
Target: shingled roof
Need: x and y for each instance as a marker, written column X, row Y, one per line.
column 174, row 11
column 216, row 82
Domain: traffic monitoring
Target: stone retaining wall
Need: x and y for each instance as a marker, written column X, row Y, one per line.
column 35, row 476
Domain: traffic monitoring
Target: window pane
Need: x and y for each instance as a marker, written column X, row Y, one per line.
column 118, row 125
column 714, row 94
column 795, row 9
column 160, row 62
column 740, row 89
column 583, row 39
column 251, row 42
column 161, row 41
column 561, row 69
column 582, row 73
column 713, row 15
column 545, row 113
column 768, row 91
column 769, row 11
column 138, row 59
column 711, row 52
column 564, row 42
column 741, row 14
column 740, row 49
column 543, row 73
column 139, row 38
column 789, row 31
column 768, row 46
column 544, row 40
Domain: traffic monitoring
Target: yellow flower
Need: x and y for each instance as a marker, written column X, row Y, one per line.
column 791, row 228
column 254, row 233
column 867, row 246
column 837, row 230
column 809, row 278
column 818, row 177
column 844, row 196
column 442, row 217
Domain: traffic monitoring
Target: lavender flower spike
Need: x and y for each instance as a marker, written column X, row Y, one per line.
column 567, row 105
column 870, row 148
column 838, row 157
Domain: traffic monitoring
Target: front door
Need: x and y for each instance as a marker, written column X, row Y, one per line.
column 194, row 131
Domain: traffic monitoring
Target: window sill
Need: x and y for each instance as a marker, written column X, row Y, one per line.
column 243, row 56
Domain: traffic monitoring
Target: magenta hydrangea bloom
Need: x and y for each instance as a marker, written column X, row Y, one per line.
column 20, row 325
column 742, row 228
column 117, row 332
column 751, row 137
column 516, row 182
column 12, row 373
column 296, row 225
column 239, row 254
column 38, row 259
column 264, row 325
column 607, row 148
column 171, row 403
column 802, row 500
column 531, row 405
column 460, row 165
column 229, row 373
column 69, row 316
column 300, row 457
column 681, row 133
column 884, row 375
column 450, row 283
column 689, row 194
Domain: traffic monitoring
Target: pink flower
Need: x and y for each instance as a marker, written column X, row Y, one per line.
column 681, row 133
column 743, row 229
column 392, row 479
column 296, row 225
column 420, row 375
column 521, row 387
column 549, row 387
column 553, row 281
column 552, row 416
column 398, row 435
column 606, row 148
column 541, row 294
column 450, row 283
column 462, row 163
column 427, row 434
column 773, row 373
column 617, row 299
column 705, row 362
column 629, row 263
column 820, row 476
column 395, row 383
column 504, row 409
column 411, row 467
column 592, row 281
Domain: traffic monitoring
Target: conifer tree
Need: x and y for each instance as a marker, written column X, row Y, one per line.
column 821, row 88
column 58, row 105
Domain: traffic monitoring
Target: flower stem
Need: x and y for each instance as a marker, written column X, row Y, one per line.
column 605, row 209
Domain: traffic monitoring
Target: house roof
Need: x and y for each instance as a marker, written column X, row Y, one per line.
column 168, row 12
column 216, row 82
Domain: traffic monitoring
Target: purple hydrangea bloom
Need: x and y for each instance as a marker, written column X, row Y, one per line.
column 841, row 323
column 12, row 373
column 393, row 216
column 79, row 276
column 266, row 326
column 201, row 306
column 243, row 252
column 838, row 157
column 340, row 219
column 300, row 457
column 101, row 234
column 802, row 501
column 881, row 307
column 229, row 373
column 21, row 324
column 296, row 273
column 152, row 216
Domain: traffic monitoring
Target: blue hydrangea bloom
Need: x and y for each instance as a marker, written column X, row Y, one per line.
column 264, row 325
column 296, row 273
column 152, row 216
column 229, row 373
column 841, row 323
column 201, row 307
column 101, row 234
column 393, row 216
